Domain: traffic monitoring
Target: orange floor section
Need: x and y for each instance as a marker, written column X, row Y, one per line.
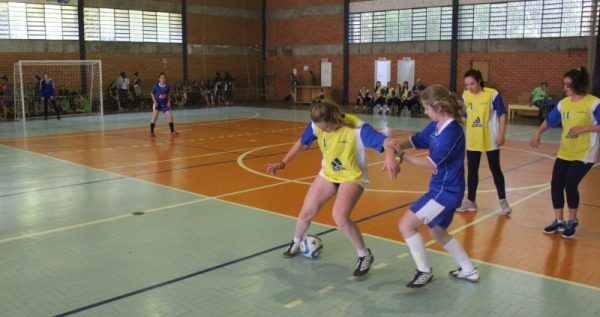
column 204, row 159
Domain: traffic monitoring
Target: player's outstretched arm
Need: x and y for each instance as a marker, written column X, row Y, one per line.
column 273, row 167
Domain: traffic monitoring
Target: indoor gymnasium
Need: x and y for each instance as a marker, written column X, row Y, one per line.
column 299, row 158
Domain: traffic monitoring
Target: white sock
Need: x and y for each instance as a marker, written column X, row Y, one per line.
column 459, row 254
column 417, row 249
column 362, row 252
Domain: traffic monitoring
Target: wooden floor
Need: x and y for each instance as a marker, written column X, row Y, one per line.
column 226, row 159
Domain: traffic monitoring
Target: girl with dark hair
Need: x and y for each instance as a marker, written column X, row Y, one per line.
column 445, row 140
column 161, row 100
column 47, row 92
column 579, row 115
column 343, row 139
column 485, row 123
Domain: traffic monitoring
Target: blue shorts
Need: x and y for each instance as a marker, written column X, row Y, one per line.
column 163, row 108
column 436, row 209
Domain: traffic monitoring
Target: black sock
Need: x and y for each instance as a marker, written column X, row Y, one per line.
column 172, row 126
column 152, row 127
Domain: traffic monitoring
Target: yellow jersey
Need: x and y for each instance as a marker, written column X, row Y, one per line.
column 482, row 113
column 344, row 157
column 583, row 147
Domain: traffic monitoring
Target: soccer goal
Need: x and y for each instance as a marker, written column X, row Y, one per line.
column 77, row 87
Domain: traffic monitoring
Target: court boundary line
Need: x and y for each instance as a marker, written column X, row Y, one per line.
column 283, row 215
column 128, row 129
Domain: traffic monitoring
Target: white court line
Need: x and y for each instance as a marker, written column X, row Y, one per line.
column 319, row 223
column 293, row 303
column 402, row 256
column 326, row 289
column 380, row 266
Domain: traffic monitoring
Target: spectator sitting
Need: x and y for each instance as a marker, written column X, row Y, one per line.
column 417, row 89
column 364, row 98
column 540, row 97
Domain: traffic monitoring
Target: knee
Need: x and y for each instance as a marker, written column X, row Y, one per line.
column 406, row 228
column 307, row 213
column 341, row 220
column 571, row 184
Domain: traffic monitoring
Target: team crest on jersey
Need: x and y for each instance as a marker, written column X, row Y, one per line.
column 337, row 165
column 571, row 136
column 477, row 123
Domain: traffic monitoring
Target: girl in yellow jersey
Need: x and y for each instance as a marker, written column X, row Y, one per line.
column 485, row 121
column 343, row 139
column 579, row 114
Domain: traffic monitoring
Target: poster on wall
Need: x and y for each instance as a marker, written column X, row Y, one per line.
column 383, row 71
column 326, row 73
column 406, row 71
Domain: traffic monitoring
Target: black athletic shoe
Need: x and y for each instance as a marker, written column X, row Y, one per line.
column 290, row 252
column 363, row 264
column 420, row 279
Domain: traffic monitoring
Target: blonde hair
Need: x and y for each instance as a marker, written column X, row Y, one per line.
column 438, row 98
column 324, row 110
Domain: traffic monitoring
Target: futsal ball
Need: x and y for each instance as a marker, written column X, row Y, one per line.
column 311, row 246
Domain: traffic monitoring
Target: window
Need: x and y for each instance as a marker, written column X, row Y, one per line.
column 434, row 20
column 379, row 27
column 498, row 20
column 419, row 24
column 20, row 20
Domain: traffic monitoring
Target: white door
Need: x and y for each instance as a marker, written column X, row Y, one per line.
column 326, row 74
column 383, row 72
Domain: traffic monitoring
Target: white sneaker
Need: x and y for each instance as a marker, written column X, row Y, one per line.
column 467, row 205
column 472, row 276
column 421, row 279
column 504, row 207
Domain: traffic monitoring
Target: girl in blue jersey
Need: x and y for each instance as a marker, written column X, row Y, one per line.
column 579, row 115
column 161, row 102
column 343, row 139
column 445, row 140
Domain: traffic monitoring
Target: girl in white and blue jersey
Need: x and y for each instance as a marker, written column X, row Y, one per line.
column 445, row 139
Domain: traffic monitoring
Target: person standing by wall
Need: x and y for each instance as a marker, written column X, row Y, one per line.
column 47, row 92
column 123, row 87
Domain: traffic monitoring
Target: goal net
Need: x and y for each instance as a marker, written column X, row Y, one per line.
column 77, row 87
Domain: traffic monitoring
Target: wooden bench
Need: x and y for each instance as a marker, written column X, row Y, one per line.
column 522, row 108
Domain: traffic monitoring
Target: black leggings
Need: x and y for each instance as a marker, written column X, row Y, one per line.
column 53, row 106
column 566, row 176
column 473, row 159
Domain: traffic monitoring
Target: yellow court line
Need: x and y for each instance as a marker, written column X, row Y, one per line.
column 322, row 224
column 240, row 162
column 127, row 129
column 491, row 214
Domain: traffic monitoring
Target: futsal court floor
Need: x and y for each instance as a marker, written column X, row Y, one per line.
column 99, row 219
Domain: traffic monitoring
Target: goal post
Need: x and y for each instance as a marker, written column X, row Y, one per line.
column 77, row 87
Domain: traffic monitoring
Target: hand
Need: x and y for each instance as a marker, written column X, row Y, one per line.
column 500, row 141
column 535, row 140
column 577, row 130
column 272, row 168
column 391, row 166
